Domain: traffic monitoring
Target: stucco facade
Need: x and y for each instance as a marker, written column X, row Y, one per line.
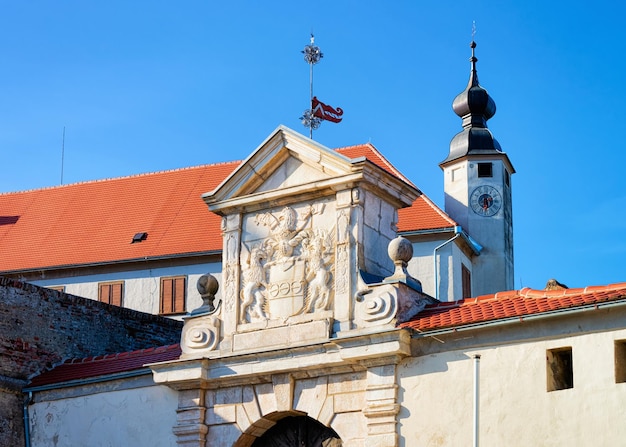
column 116, row 413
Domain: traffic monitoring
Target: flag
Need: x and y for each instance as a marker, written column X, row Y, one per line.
column 325, row 112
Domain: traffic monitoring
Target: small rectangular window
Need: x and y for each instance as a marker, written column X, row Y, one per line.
column 173, row 295
column 485, row 170
column 620, row 361
column 507, row 178
column 560, row 369
column 466, row 281
column 111, row 292
column 57, row 288
column 456, row 174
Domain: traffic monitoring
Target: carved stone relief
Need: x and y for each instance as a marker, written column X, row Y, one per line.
column 288, row 272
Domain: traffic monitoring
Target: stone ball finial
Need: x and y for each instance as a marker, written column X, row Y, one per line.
column 400, row 250
column 207, row 286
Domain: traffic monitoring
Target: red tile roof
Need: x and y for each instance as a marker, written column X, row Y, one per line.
column 512, row 304
column 80, row 369
column 94, row 222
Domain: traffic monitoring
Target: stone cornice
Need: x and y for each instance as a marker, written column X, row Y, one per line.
column 340, row 354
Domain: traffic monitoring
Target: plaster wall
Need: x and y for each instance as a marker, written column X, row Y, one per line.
column 457, row 192
column 140, row 416
column 436, row 394
column 141, row 287
column 449, row 261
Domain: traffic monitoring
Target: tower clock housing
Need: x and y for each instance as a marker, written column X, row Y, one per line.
column 477, row 188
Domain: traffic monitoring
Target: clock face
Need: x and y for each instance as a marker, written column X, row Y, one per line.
column 485, row 201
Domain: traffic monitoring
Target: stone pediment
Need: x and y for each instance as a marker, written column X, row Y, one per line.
column 299, row 221
column 286, row 164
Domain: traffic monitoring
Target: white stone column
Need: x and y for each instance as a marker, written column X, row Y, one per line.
column 231, row 233
column 381, row 406
column 190, row 429
column 344, row 261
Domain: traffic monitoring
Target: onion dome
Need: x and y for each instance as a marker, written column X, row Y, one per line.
column 475, row 107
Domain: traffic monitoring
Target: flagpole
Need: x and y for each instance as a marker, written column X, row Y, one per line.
column 312, row 55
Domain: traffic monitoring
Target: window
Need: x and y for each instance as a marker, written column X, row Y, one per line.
column 466, row 281
column 111, row 292
column 173, row 294
column 457, row 174
column 57, row 288
column 560, row 369
column 620, row 361
column 507, row 178
column 485, row 170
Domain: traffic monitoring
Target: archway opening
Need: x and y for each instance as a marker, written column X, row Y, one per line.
column 298, row 431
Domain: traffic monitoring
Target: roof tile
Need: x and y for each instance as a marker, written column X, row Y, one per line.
column 94, row 222
column 102, row 365
column 520, row 303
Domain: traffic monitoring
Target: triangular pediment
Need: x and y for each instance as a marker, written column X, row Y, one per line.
column 286, row 163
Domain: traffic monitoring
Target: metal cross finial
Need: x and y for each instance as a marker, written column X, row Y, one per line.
column 312, row 53
column 312, row 56
column 473, row 29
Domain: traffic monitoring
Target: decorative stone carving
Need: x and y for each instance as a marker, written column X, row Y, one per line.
column 288, row 273
column 376, row 308
column 201, row 332
column 207, row 287
column 253, row 292
column 400, row 250
column 230, row 285
column 397, row 298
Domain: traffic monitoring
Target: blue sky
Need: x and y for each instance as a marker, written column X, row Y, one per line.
column 143, row 86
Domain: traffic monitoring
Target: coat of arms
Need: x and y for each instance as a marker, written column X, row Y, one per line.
column 289, row 273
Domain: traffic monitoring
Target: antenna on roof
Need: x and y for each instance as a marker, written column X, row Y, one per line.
column 62, row 154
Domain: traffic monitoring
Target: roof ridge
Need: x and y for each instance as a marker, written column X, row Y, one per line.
column 124, row 177
column 352, row 146
column 122, row 355
column 388, row 164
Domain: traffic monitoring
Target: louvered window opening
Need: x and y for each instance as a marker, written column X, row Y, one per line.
column 173, row 295
column 111, row 293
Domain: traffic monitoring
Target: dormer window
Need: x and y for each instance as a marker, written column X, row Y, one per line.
column 485, row 170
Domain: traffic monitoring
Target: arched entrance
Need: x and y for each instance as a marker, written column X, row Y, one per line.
column 298, row 431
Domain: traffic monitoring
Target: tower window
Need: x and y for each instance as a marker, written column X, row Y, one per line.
column 485, row 170
column 507, row 178
column 560, row 369
column 466, row 281
column 620, row 361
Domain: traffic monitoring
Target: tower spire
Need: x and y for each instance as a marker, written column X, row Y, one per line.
column 474, row 106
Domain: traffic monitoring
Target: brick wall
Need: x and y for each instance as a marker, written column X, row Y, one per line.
column 40, row 328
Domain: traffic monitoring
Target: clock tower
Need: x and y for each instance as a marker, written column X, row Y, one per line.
column 477, row 187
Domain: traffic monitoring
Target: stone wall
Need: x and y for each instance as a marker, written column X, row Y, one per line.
column 40, row 328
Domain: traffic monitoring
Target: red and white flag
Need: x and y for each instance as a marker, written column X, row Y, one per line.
column 325, row 112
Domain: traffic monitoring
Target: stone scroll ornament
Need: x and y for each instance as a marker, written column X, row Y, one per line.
column 385, row 302
column 289, row 272
column 202, row 327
